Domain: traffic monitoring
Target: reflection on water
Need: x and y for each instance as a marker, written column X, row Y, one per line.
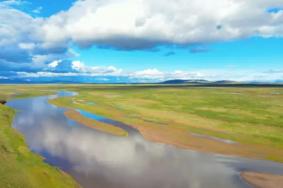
column 101, row 160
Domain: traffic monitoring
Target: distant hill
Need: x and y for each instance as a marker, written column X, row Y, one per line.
column 197, row 81
column 221, row 82
column 179, row 81
column 226, row 82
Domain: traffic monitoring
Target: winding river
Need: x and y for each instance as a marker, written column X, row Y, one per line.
column 98, row 160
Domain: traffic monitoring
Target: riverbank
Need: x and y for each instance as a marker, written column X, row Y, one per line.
column 19, row 167
column 261, row 180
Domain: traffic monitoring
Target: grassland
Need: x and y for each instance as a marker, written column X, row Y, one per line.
column 190, row 117
column 19, row 167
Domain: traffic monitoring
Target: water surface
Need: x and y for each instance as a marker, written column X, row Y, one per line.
column 99, row 160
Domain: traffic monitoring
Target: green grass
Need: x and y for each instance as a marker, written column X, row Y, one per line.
column 19, row 167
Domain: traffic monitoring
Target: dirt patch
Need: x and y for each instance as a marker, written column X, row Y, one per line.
column 262, row 180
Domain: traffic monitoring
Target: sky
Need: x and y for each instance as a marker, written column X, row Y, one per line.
column 107, row 41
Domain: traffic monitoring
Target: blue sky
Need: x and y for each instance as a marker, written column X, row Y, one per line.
column 251, row 53
column 42, row 8
column 141, row 40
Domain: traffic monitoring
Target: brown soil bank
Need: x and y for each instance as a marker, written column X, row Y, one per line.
column 260, row 180
column 3, row 102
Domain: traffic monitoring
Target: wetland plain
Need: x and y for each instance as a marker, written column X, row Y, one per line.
column 156, row 138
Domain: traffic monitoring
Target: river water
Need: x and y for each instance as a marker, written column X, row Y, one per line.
column 99, row 160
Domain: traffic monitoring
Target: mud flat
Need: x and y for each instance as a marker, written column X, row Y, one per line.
column 263, row 180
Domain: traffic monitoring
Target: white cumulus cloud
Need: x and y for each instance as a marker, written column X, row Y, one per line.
column 148, row 73
column 132, row 24
column 54, row 64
